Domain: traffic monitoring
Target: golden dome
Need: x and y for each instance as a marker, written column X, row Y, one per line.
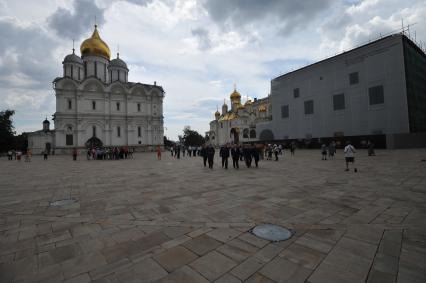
column 217, row 113
column 95, row 46
column 262, row 108
column 235, row 95
column 240, row 106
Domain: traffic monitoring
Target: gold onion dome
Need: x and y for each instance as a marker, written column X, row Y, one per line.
column 235, row 95
column 95, row 46
column 248, row 102
column 217, row 113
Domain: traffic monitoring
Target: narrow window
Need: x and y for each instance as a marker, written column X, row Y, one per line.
column 353, row 78
column 69, row 104
column 309, row 107
column 69, row 140
column 85, row 69
column 72, row 71
column 139, row 132
column 284, row 111
column 296, row 92
column 118, row 132
column 105, row 73
column 96, row 69
column 339, row 101
column 118, row 106
column 118, row 75
column 93, row 105
column 94, row 131
column 79, row 76
column 139, row 107
column 376, row 95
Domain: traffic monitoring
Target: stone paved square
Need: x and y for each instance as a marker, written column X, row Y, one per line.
column 143, row 220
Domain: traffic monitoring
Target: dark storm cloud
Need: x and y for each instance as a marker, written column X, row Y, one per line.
column 203, row 37
column 75, row 23
column 288, row 14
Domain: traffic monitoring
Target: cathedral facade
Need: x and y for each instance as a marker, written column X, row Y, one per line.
column 238, row 123
column 96, row 105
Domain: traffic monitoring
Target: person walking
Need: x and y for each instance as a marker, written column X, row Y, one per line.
column 324, row 151
column 292, row 148
column 9, row 155
column 331, row 150
column 349, row 155
column 255, row 154
column 45, row 154
column 74, row 154
column 210, row 155
column 235, row 153
column 276, row 152
column 247, row 155
column 370, row 145
column 158, row 152
column 204, row 154
column 224, row 153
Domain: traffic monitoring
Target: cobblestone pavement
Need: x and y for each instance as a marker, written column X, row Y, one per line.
column 145, row 220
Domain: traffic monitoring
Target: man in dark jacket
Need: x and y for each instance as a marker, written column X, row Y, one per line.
column 247, row 155
column 235, row 153
column 255, row 154
column 224, row 153
column 204, row 154
column 210, row 155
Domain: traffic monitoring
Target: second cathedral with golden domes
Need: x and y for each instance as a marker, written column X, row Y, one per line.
column 238, row 123
column 96, row 105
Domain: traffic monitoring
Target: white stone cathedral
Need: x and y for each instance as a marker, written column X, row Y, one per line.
column 96, row 105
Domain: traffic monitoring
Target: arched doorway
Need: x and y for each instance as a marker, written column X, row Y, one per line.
column 93, row 142
column 266, row 135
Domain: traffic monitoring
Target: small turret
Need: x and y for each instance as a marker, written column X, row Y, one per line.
column 46, row 125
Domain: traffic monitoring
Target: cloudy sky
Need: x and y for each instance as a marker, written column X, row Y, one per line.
column 195, row 49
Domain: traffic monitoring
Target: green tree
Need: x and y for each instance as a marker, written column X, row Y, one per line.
column 167, row 142
column 191, row 137
column 7, row 132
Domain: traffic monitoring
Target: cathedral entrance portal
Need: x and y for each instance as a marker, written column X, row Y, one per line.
column 235, row 135
column 93, row 142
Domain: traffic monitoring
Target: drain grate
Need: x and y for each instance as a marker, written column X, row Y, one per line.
column 272, row 232
column 62, row 202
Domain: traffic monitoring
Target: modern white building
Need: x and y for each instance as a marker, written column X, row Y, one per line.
column 373, row 92
column 238, row 123
column 96, row 105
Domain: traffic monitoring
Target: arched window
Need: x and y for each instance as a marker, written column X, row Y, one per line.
column 252, row 134
column 94, row 131
column 69, row 136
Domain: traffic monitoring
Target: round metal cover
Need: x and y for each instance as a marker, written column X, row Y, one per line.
column 62, row 202
column 272, row 232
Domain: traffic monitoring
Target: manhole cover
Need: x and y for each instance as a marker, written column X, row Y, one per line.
column 62, row 202
column 271, row 232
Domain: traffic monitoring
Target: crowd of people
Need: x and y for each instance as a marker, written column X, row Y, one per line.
column 249, row 153
column 109, row 153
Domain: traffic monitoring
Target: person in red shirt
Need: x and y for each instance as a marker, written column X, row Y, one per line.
column 158, row 152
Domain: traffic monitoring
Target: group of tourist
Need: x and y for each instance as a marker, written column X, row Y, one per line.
column 190, row 151
column 109, row 153
column 17, row 155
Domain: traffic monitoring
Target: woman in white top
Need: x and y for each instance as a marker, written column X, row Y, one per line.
column 349, row 155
